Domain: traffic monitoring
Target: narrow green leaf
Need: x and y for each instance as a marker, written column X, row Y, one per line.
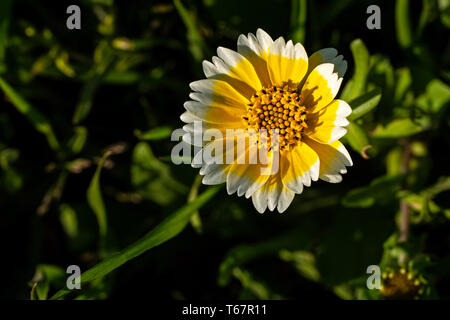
column 167, row 229
column 77, row 141
column 103, row 61
column 39, row 121
column 95, row 201
column 403, row 83
column 304, row 261
column 196, row 221
column 68, row 219
column 5, row 18
column 197, row 45
column 256, row 288
column 361, row 58
column 86, row 99
column 298, row 20
column 441, row 186
column 402, row 23
column 42, row 288
column 364, row 104
column 154, row 134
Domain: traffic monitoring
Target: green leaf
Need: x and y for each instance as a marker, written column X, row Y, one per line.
column 381, row 190
column 435, row 98
column 152, row 177
column 298, row 20
column 103, row 61
column 358, row 82
column 154, row 134
column 95, row 201
column 39, row 121
column 246, row 253
column 441, row 186
column 364, row 104
column 47, row 275
column 402, row 23
column 68, row 219
column 257, row 288
column 197, row 45
column 394, row 161
column 196, row 221
column 5, row 18
column 86, row 98
column 304, row 261
column 403, row 83
column 77, row 141
column 358, row 140
column 167, row 229
column 398, row 128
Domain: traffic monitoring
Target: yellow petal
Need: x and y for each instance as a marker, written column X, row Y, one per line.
column 246, row 178
column 325, row 125
column 256, row 49
column 320, row 87
column 334, row 158
column 299, row 166
column 287, row 62
column 235, row 69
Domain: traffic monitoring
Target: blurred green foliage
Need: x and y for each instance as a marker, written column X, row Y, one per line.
column 86, row 176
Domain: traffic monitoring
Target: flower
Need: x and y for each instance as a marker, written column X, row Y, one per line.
column 270, row 91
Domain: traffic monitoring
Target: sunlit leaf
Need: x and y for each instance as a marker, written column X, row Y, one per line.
column 358, row 82
column 358, row 140
column 364, row 104
column 402, row 23
column 398, row 128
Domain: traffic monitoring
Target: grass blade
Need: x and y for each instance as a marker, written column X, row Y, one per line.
column 298, row 20
column 402, row 23
column 167, row 229
column 39, row 121
column 95, row 201
column 197, row 45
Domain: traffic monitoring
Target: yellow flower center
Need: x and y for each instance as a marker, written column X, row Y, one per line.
column 277, row 108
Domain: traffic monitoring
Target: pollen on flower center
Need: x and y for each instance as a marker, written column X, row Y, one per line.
column 277, row 108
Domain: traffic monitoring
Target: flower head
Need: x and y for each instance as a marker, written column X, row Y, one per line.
column 281, row 104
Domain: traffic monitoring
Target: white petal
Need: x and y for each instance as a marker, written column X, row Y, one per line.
column 265, row 41
column 285, row 200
